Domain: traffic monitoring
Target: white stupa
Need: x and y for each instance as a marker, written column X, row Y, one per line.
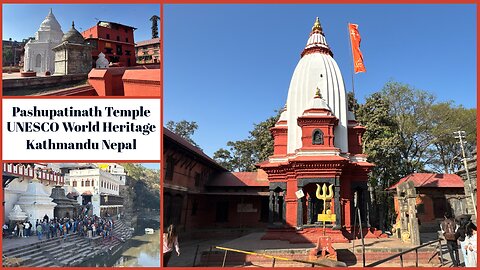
column 17, row 214
column 36, row 202
column 316, row 70
column 39, row 56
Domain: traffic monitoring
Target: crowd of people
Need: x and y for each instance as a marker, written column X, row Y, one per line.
column 464, row 232
column 86, row 226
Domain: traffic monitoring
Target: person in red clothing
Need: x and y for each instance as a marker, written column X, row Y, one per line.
column 170, row 241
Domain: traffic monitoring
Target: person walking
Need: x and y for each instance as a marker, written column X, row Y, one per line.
column 170, row 242
column 21, row 232
column 39, row 231
column 471, row 245
column 5, row 230
column 448, row 230
column 26, row 227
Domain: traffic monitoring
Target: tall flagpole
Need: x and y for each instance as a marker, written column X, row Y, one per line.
column 353, row 64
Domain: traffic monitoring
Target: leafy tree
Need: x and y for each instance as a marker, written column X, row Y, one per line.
column 411, row 111
column 381, row 143
column 242, row 155
column 146, row 185
column 7, row 55
column 184, row 129
column 445, row 151
column 154, row 20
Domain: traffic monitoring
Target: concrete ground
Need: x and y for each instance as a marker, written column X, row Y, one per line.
column 16, row 75
column 252, row 242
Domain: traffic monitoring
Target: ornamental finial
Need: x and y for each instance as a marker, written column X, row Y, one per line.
column 317, row 94
column 73, row 24
column 316, row 25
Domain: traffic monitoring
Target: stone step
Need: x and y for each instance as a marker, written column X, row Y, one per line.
column 40, row 261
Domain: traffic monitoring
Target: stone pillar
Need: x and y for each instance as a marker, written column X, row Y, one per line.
column 275, row 206
column 299, row 213
column 364, row 208
column 270, row 208
column 309, row 210
column 337, row 206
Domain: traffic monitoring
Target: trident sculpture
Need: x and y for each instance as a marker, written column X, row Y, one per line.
column 324, row 195
column 326, row 215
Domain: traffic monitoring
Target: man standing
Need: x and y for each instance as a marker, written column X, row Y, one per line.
column 448, row 227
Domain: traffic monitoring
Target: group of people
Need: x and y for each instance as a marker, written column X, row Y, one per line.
column 86, row 226
column 20, row 229
column 461, row 231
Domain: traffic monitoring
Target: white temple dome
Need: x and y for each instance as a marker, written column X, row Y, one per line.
column 316, row 69
column 50, row 23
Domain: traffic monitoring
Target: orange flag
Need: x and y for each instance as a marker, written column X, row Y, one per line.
column 355, row 39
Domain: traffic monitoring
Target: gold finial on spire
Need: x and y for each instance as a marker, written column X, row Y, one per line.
column 316, row 25
column 317, row 94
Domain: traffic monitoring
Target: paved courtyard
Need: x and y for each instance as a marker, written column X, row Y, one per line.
column 188, row 248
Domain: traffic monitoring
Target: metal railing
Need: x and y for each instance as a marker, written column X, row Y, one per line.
column 439, row 246
column 274, row 258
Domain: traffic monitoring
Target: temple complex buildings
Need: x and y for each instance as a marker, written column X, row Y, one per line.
column 62, row 189
column 114, row 40
column 148, row 51
column 314, row 181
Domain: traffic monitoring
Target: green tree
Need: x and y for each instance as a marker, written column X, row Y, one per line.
column 381, row 143
column 146, row 185
column 7, row 56
column 411, row 111
column 184, row 129
column 154, row 19
column 243, row 155
column 445, row 151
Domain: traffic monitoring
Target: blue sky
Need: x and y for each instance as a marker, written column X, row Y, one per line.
column 154, row 166
column 229, row 66
column 22, row 20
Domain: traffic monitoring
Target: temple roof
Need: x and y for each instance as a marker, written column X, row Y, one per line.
column 73, row 36
column 50, row 23
column 241, row 179
column 316, row 70
column 432, row 180
column 148, row 42
column 316, row 41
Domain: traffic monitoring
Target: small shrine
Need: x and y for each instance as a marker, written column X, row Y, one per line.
column 65, row 207
column 17, row 214
column 101, row 62
column 36, row 202
column 73, row 55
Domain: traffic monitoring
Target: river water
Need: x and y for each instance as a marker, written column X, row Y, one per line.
column 141, row 250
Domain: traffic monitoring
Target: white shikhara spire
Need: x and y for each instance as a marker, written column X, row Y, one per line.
column 316, row 70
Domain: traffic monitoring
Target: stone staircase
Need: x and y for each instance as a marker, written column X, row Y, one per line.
column 70, row 252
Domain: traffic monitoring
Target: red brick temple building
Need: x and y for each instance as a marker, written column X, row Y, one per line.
column 318, row 165
column 114, row 40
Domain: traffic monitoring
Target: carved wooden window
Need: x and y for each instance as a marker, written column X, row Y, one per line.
column 317, row 137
